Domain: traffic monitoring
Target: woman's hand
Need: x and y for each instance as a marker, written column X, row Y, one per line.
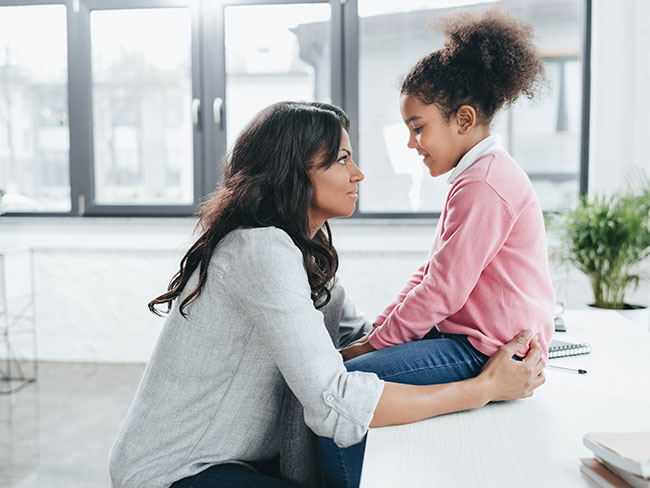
column 357, row 348
column 507, row 379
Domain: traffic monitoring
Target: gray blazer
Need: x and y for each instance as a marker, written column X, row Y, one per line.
column 214, row 389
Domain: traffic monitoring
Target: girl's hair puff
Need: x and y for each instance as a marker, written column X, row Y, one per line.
column 487, row 61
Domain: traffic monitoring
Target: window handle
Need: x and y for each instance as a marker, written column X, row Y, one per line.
column 196, row 111
column 217, row 106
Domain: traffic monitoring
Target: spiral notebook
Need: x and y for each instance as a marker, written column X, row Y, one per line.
column 560, row 349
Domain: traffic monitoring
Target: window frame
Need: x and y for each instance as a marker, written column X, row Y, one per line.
column 208, row 83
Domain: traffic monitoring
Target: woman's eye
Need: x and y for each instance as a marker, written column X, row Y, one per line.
column 417, row 129
column 342, row 160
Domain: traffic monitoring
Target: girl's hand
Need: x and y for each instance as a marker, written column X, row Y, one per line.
column 507, row 379
column 356, row 349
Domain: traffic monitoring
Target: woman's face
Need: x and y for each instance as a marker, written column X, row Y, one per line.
column 431, row 135
column 335, row 188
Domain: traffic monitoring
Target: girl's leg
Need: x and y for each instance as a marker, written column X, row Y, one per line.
column 230, row 476
column 445, row 359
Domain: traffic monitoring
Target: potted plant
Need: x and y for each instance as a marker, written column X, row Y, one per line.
column 607, row 237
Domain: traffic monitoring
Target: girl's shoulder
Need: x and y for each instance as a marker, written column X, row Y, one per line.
column 499, row 172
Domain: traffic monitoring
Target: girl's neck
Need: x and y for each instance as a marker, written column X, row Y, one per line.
column 476, row 135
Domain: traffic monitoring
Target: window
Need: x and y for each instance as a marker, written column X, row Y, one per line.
column 542, row 135
column 142, row 139
column 153, row 110
column 34, row 134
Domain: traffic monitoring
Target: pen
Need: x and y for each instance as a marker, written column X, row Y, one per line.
column 570, row 370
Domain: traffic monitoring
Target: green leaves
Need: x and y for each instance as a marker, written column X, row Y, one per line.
column 606, row 237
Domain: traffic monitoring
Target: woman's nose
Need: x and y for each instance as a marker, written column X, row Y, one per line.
column 356, row 174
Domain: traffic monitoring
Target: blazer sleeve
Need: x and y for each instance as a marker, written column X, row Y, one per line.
column 269, row 283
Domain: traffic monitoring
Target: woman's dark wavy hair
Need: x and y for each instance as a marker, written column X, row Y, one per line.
column 487, row 61
column 265, row 183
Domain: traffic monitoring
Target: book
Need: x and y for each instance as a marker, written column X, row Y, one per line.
column 600, row 475
column 560, row 349
column 631, row 479
column 629, row 452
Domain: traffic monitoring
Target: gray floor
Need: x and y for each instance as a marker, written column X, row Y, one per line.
column 56, row 433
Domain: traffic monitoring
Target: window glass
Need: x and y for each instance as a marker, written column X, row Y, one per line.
column 142, row 92
column 34, row 134
column 274, row 53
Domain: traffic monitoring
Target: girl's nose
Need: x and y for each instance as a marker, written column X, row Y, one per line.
column 412, row 143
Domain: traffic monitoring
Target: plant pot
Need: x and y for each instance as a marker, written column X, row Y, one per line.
column 638, row 314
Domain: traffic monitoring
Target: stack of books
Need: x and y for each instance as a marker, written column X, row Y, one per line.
column 620, row 459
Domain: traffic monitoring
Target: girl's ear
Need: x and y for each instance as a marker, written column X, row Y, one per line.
column 465, row 118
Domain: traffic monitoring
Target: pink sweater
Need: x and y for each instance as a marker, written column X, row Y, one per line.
column 487, row 275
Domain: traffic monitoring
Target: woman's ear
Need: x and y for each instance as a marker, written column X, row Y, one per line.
column 466, row 118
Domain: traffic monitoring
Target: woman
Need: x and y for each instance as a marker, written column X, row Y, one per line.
column 243, row 325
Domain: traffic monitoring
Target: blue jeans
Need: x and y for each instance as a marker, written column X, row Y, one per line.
column 236, row 476
column 437, row 358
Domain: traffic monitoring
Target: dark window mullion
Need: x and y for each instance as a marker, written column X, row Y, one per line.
column 586, row 95
column 80, row 108
column 213, row 80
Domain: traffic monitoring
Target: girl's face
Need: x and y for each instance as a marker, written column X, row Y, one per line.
column 335, row 188
column 437, row 140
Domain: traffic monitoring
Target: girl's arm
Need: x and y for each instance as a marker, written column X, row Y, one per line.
column 415, row 280
column 478, row 222
column 502, row 379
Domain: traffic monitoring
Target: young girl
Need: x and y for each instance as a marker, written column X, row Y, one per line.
column 487, row 275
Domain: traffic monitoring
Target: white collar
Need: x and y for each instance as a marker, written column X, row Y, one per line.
column 487, row 145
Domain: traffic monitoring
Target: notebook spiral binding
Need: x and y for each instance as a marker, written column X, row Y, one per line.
column 564, row 349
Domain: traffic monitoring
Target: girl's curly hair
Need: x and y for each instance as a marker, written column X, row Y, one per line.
column 487, row 61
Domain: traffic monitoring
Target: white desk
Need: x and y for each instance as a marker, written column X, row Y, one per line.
column 533, row 442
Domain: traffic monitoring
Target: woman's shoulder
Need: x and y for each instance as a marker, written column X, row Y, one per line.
column 256, row 239
column 258, row 261
column 255, row 247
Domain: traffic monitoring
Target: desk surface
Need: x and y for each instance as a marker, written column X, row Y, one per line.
column 530, row 442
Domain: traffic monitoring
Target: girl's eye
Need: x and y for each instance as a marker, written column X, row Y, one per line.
column 342, row 160
column 417, row 129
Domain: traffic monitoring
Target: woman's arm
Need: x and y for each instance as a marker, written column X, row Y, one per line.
column 502, row 379
column 352, row 325
column 267, row 283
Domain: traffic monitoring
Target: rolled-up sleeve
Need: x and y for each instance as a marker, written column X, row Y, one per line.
column 270, row 285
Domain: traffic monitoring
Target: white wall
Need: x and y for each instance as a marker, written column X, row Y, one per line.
column 95, row 276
